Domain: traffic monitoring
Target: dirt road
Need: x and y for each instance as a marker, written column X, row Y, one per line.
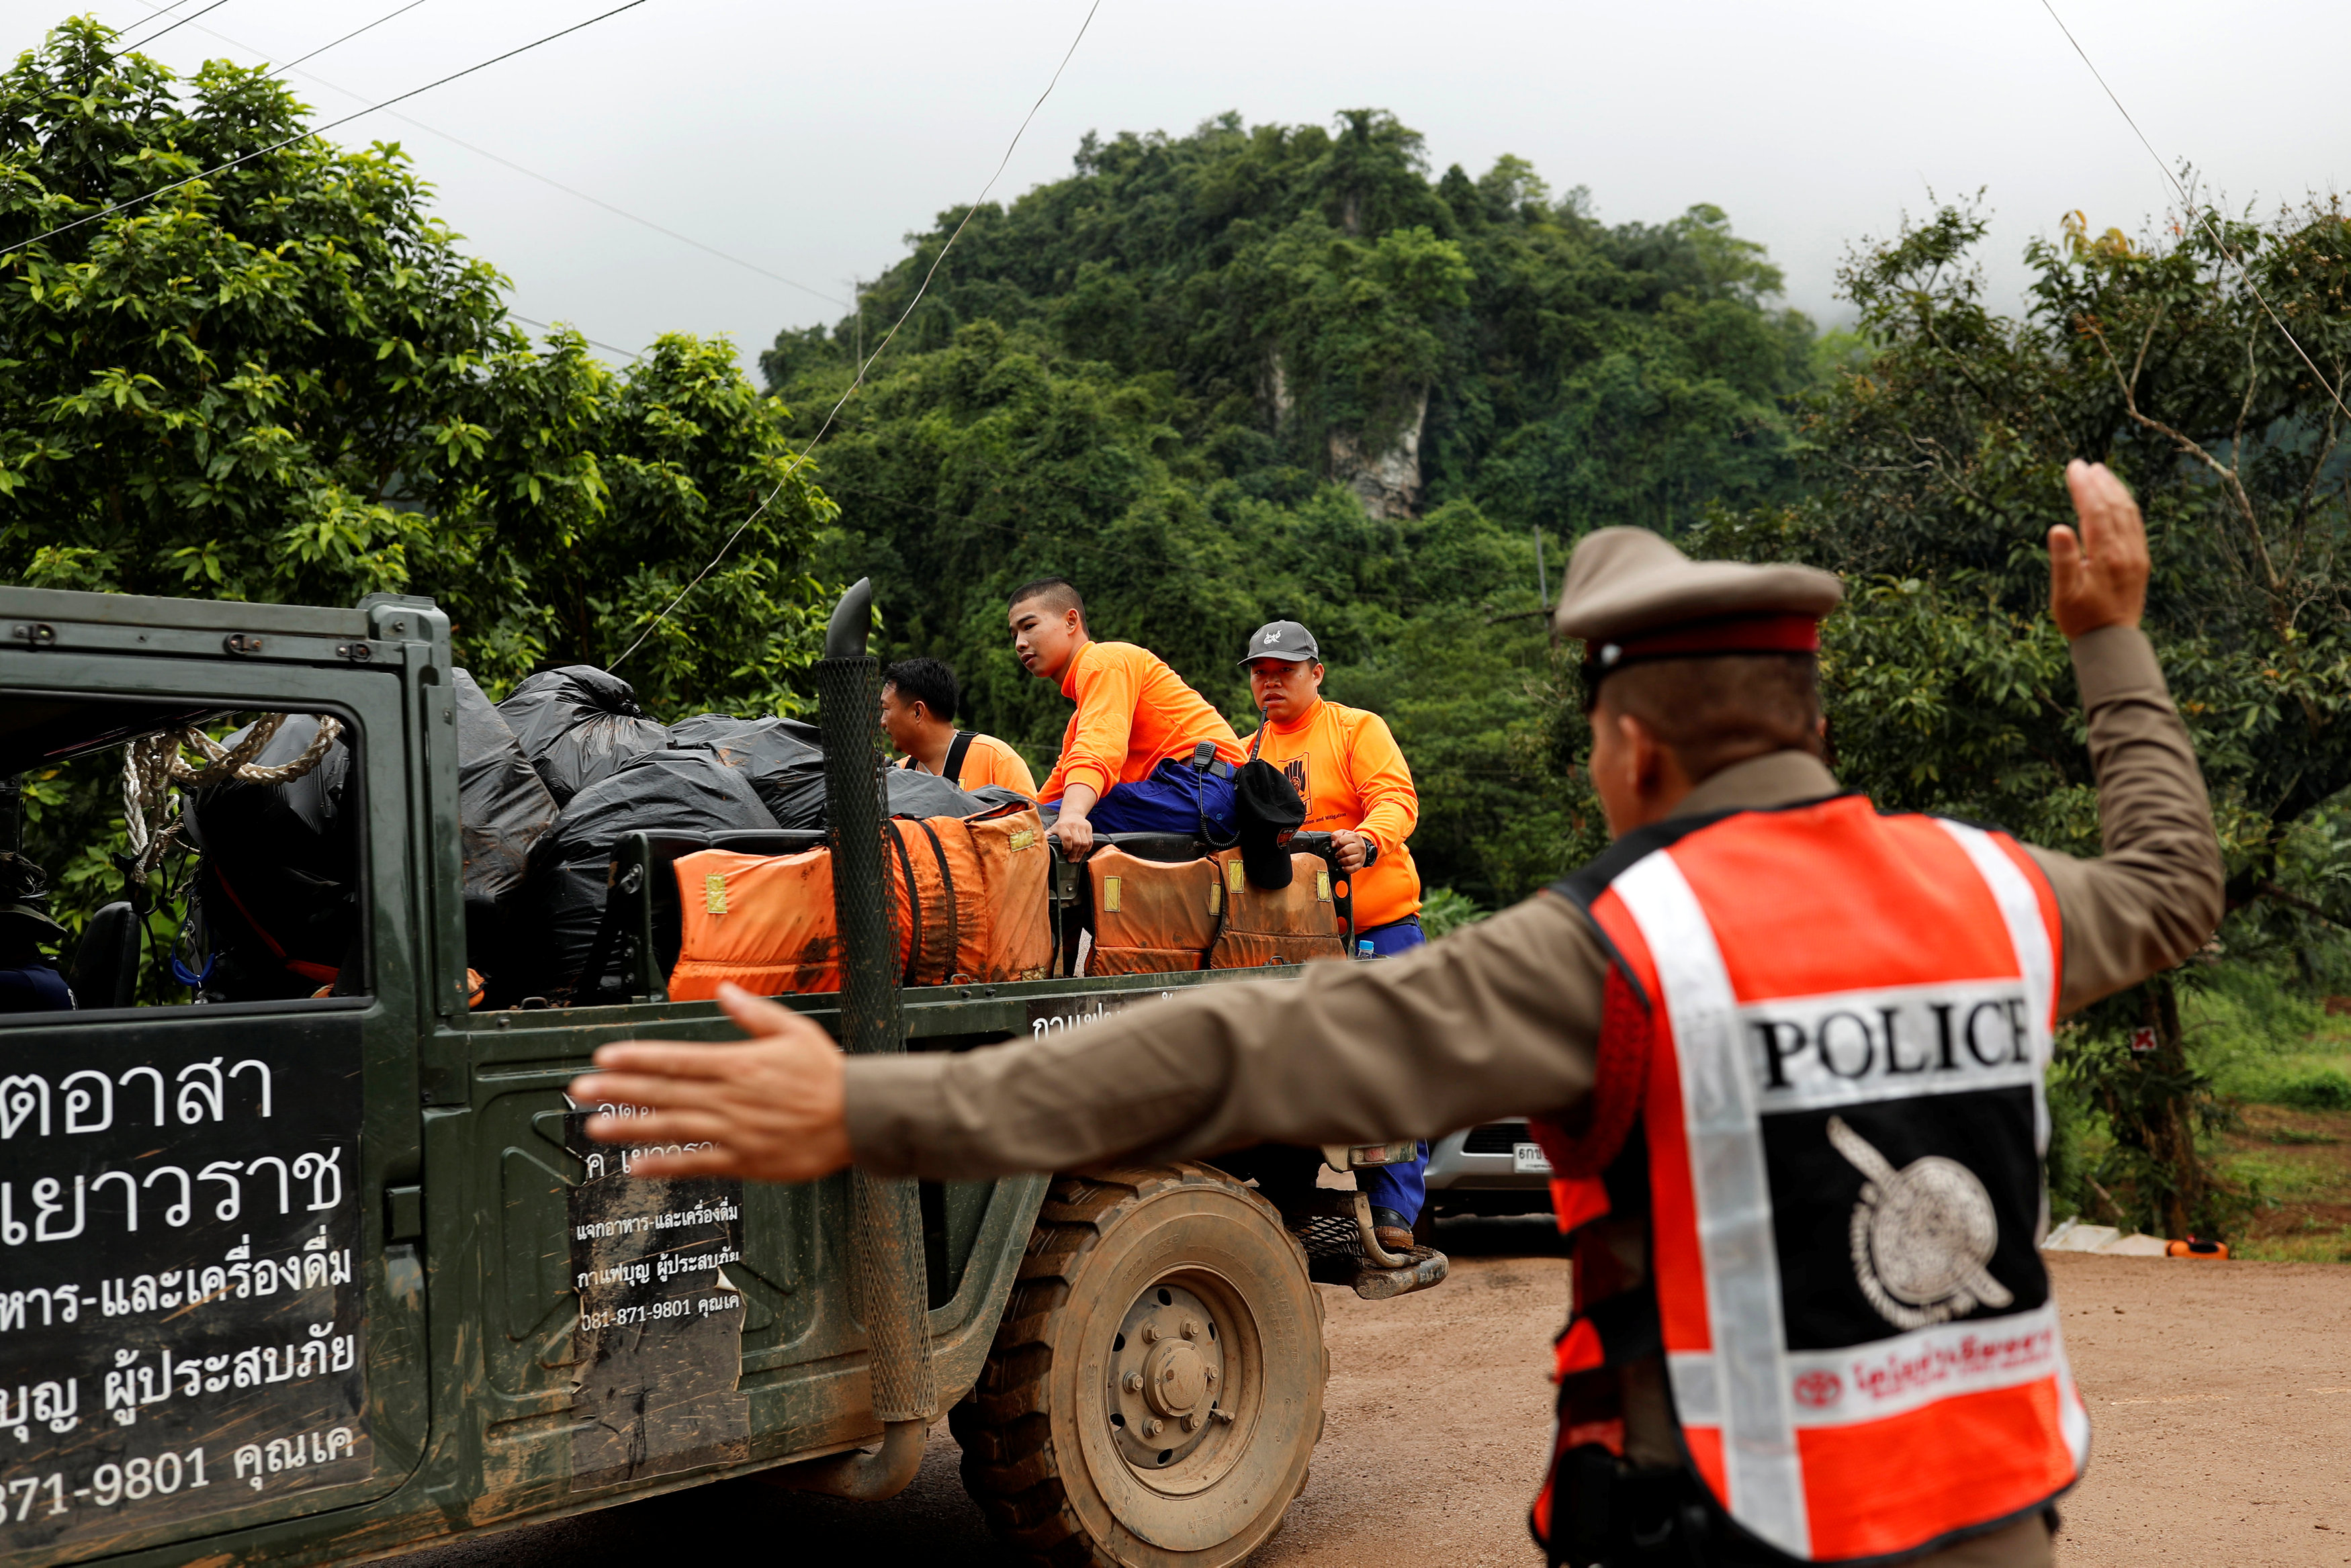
column 2222, row 1394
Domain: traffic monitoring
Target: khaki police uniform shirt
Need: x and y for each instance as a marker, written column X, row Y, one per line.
column 1501, row 1018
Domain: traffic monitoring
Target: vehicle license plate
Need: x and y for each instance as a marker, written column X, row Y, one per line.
column 1528, row 1159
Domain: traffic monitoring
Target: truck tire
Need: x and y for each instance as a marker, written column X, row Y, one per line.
column 1155, row 1392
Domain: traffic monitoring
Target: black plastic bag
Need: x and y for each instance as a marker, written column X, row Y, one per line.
column 783, row 758
column 989, row 798
column 914, row 792
column 669, row 791
column 503, row 806
column 277, row 891
column 579, row 724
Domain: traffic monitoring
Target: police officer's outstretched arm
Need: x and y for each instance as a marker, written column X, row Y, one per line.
column 1497, row 1020
column 2155, row 896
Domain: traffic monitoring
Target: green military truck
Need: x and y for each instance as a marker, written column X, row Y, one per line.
column 329, row 1272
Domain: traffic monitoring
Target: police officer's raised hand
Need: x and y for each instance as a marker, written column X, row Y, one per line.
column 2097, row 577
column 772, row 1107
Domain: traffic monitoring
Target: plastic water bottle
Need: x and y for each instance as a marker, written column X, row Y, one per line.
column 1363, row 952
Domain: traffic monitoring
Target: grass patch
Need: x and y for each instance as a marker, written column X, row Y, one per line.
column 2282, row 1065
column 2286, row 1180
column 2314, row 1246
column 2296, row 1164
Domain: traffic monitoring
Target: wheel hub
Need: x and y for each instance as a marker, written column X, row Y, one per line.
column 1168, row 1390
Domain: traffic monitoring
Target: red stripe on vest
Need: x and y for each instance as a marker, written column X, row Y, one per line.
column 1578, row 1350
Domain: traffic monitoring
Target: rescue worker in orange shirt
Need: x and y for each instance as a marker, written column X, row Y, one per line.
column 1144, row 752
column 919, row 699
column 1344, row 764
column 1346, row 767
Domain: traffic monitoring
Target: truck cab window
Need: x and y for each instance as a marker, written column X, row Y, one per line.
column 155, row 855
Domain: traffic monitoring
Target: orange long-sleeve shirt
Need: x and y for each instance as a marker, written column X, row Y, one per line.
column 989, row 760
column 1134, row 713
column 1347, row 767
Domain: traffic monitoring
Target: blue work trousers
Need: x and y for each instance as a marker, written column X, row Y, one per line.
column 1174, row 799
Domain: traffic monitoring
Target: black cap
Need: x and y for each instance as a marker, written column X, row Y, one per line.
column 1267, row 811
column 25, row 893
column 1283, row 639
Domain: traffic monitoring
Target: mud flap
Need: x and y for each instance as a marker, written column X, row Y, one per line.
column 658, row 1350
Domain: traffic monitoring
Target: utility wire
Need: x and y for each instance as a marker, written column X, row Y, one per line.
column 182, row 22
column 550, row 327
column 798, row 462
column 481, row 151
column 317, row 130
column 2189, row 204
column 616, row 211
column 346, row 38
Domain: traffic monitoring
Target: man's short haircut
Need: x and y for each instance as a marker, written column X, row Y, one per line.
column 928, row 682
column 1057, row 595
column 1712, row 713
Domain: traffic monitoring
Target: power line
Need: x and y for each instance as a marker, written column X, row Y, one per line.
column 319, row 131
column 550, row 327
column 346, row 38
column 616, row 211
column 2189, row 204
column 182, row 22
column 859, row 380
column 481, row 151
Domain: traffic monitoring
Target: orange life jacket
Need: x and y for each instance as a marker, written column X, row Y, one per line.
column 1150, row 917
column 1820, row 1070
column 967, row 903
column 1295, row 924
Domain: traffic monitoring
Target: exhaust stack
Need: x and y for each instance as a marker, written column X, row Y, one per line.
column 888, row 1282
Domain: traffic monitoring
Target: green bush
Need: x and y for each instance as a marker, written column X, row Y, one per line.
column 2320, row 1089
column 1442, row 909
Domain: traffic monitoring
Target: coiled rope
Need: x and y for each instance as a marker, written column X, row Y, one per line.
column 152, row 764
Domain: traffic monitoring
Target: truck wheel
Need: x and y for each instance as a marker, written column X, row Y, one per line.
column 1156, row 1389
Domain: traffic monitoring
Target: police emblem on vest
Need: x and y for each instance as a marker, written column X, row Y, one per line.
column 1844, row 1022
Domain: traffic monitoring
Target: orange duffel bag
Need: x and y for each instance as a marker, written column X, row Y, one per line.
column 1295, row 924
column 1150, row 917
column 976, row 910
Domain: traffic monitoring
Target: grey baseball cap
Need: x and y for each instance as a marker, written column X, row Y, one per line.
column 1283, row 639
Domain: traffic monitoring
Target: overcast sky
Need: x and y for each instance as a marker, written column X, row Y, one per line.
column 808, row 139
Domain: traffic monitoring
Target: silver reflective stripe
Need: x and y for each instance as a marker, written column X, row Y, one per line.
column 1697, row 1392
column 1733, row 1200
column 2020, row 908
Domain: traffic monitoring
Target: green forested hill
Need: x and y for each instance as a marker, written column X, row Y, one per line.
column 1276, row 370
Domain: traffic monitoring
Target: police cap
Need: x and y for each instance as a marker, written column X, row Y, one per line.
column 1631, row 597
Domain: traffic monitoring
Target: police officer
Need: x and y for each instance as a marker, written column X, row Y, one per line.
column 1787, row 1051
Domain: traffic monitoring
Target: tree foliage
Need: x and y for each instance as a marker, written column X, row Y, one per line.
column 1271, row 371
column 286, row 381
column 1937, row 461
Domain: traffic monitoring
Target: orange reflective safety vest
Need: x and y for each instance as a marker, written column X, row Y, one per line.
column 1820, row 1072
